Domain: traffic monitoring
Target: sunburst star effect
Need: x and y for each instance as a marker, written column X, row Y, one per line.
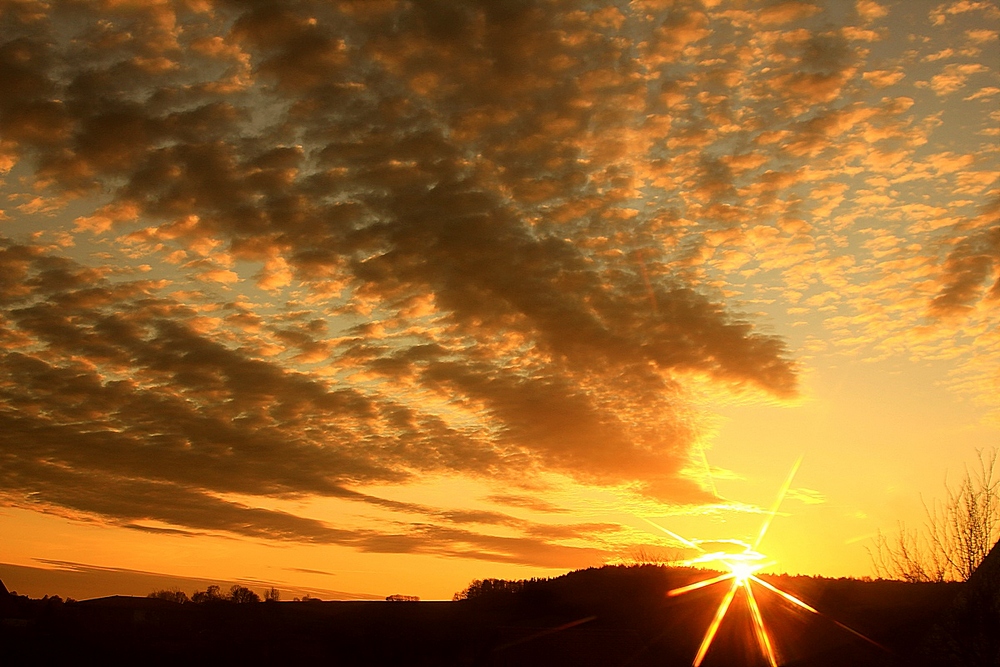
column 742, row 566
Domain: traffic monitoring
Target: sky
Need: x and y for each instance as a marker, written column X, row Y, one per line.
column 375, row 297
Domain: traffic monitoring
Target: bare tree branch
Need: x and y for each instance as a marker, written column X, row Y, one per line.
column 957, row 532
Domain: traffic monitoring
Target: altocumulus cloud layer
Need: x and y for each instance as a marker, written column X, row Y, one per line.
column 294, row 249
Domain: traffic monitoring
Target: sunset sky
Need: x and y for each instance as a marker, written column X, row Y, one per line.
column 371, row 297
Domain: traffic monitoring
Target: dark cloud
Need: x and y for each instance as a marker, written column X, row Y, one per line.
column 529, row 502
column 195, row 420
column 308, row 571
column 972, row 269
column 458, row 182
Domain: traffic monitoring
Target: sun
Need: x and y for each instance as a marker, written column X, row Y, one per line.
column 742, row 571
column 741, row 567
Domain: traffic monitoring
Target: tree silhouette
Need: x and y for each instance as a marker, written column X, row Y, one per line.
column 242, row 595
column 173, row 595
column 484, row 588
column 211, row 594
column 238, row 594
column 957, row 533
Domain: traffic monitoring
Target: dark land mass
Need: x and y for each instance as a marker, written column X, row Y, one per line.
column 610, row 616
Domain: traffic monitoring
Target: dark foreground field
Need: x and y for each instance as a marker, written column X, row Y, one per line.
column 612, row 616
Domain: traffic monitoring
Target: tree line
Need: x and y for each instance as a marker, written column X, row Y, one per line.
column 236, row 594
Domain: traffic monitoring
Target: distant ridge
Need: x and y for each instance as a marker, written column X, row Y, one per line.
column 3, row 589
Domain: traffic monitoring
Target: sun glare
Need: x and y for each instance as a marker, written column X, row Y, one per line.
column 742, row 571
column 742, row 567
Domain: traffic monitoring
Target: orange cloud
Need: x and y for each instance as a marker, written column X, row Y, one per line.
column 953, row 77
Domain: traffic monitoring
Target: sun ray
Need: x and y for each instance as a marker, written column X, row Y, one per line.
column 701, row 584
column 788, row 596
column 758, row 624
column 546, row 632
column 716, row 622
column 777, row 503
column 708, row 469
column 674, row 535
column 794, row 600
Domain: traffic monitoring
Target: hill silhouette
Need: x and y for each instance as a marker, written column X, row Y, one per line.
column 609, row 616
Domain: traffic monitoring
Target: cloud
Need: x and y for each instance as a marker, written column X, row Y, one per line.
column 884, row 78
column 954, row 76
column 786, row 12
column 171, row 419
column 940, row 14
column 405, row 215
column 869, row 10
column 972, row 270
column 982, row 35
column 983, row 93
column 387, row 240
column 371, row 163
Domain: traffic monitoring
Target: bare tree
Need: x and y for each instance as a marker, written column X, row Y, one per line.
column 957, row 533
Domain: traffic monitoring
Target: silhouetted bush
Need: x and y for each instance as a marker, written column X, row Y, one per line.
column 272, row 595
